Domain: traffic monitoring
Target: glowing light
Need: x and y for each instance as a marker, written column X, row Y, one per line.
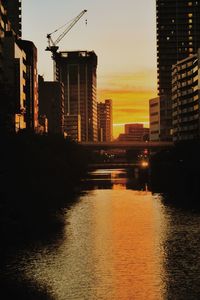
column 144, row 164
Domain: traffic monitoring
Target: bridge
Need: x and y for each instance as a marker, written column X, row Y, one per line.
column 150, row 145
column 116, row 165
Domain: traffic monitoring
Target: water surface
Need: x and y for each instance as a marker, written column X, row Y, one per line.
column 119, row 242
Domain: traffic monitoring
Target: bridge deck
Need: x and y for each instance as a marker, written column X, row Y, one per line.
column 127, row 145
column 113, row 165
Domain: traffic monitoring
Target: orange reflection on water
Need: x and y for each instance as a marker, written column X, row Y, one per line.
column 109, row 250
column 130, row 253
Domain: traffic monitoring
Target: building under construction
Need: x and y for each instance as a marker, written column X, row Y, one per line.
column 77, row 71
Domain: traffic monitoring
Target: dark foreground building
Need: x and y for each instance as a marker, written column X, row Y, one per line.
column 14, row 13
column 51, row 105
column 178, row 36
column 31, row 88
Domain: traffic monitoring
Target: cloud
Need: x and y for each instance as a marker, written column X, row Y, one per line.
column 129, row 110
column 130, row 93
column 131, row 81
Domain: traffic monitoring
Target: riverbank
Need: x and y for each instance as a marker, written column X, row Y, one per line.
column 38, row 175
column 177, row 171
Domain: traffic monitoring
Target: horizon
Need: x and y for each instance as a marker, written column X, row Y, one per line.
column 126, row 71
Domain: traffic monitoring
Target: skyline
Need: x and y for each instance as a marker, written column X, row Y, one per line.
column 124, row 40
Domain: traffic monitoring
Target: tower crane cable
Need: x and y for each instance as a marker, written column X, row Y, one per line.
column 72, row 23
column 61, row 26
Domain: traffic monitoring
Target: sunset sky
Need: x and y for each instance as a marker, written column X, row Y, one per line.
column 122, row 34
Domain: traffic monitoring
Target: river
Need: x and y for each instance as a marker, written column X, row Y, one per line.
column 119, row 241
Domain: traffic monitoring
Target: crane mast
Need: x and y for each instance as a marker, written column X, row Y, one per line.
column 52, row 45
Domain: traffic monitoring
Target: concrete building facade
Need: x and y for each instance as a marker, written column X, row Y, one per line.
column 186, row 98
column 77, row 71
column 178, row 36
column 154, row 119
column 105, row 121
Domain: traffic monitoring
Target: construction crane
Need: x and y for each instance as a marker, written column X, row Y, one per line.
column 52, row 45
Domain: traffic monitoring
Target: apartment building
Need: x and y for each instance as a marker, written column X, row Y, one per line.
column 178, row 27
column 186, row 98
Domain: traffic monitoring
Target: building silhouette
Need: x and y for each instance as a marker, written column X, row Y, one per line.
column 134, row 132
column 13, row 8
column 51, row 105
column 154, row 119
column 178, row 36
column 4, row 26
column 73, row 127
column 105, row 121
column 77, row 71
column 18, row 72
column 31, row 88
column 186, row 98
column 14, row 101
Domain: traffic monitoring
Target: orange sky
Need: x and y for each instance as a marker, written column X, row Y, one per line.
column 122, row 34
column 130, row 93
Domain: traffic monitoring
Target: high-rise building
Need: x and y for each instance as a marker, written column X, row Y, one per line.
column 14, row 102
column 178, row 36
column 77, row 71
column 154, row 119
column 186, row 98
column 51, row 105
column 4, row 26
column 31, row 84
column 13, row 8
column 12, row 68
column 18, row 72
column 104, row 120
